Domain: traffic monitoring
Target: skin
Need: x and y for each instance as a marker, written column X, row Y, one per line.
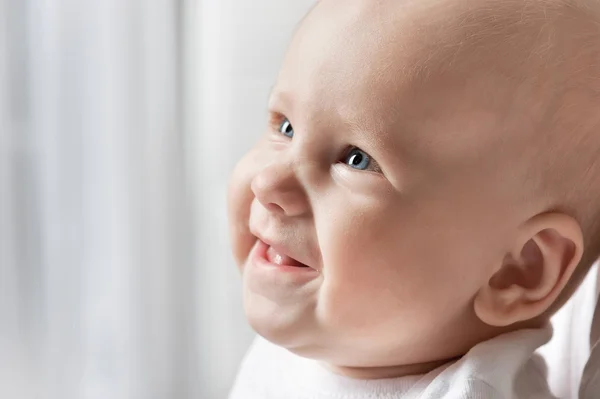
column 445, row 230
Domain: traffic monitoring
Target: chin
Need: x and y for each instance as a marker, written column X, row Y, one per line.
column 288, row 328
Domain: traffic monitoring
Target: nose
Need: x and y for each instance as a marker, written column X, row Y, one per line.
column 278, row 189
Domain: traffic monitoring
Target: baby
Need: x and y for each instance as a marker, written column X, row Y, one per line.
column 423, row 199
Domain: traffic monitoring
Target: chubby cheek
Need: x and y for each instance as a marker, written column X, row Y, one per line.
column 360, row 273
column 380, row 275
column 240, row 197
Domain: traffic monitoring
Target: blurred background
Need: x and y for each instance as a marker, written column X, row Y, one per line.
column 120, row 121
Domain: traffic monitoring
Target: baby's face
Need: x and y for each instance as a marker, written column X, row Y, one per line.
column 376, row 203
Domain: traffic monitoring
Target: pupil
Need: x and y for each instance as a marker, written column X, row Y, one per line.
column 356, row 159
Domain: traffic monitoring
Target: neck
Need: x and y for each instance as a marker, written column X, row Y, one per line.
column 374, row 373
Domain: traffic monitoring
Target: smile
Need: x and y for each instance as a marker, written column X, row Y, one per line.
column 280, row 259
column 273, row 260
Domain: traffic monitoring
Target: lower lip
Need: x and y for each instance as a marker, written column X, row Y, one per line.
column 297, row 274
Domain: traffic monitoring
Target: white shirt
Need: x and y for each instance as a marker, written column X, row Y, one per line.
column 574, row 367
column 502, row 368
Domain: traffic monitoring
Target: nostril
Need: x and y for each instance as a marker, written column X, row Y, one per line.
column 273, row 207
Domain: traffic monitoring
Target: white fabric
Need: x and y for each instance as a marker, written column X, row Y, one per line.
column 568, row 351
column 590, row 380
column 504, row 367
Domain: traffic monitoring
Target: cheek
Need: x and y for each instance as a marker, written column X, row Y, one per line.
column 240, row 198
column 363, row 280
column 384, row 267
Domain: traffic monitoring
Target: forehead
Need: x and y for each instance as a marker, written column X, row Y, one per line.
column 342, row 63
column 377, row 71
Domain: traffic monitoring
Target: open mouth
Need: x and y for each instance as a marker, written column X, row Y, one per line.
column 281, row 259
column 272, row 271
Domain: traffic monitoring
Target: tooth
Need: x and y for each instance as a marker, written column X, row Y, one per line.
column 278, row 260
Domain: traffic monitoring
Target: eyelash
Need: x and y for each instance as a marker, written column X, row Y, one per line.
column 277, row 119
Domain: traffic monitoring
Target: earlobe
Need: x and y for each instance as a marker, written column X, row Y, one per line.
column 530, row 278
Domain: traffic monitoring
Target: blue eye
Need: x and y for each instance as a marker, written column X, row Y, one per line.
column 358, row 159
column 286, row 128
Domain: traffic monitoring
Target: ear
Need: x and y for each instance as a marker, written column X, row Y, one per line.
column 548, row 249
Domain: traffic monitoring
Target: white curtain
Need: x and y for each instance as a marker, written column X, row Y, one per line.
column 120, row 121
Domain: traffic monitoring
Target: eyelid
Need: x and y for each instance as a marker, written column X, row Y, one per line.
column 375, row 168
column 275, row 119
column 374, row 165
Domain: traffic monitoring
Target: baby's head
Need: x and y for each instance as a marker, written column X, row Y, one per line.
column 433, row 163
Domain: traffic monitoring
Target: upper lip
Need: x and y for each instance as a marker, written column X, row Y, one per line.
column 285, row 250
